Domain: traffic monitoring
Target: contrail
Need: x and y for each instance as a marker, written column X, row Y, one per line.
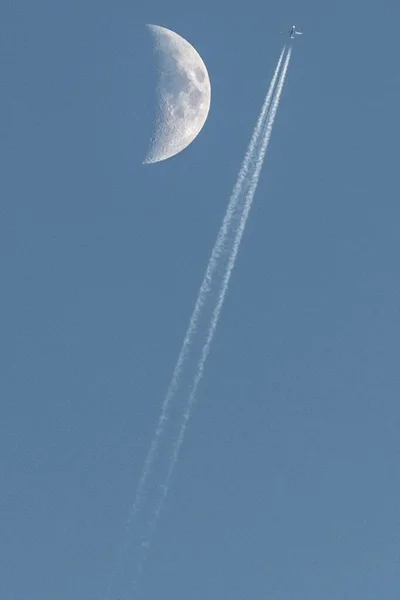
column 202, row 295
column 205, row 288
column 254, row 178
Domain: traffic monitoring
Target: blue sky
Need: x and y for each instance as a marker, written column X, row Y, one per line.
column 288, row 481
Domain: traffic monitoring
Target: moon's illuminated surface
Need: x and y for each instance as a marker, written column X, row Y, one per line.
column 183, row 95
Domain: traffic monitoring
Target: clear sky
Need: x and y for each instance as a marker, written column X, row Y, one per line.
column 288, row 483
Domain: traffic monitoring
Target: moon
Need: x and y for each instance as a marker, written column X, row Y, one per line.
column 183, row 95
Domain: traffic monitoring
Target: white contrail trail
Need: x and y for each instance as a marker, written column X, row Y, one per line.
column 212, row 267
column 254, row 177
column 202, row 295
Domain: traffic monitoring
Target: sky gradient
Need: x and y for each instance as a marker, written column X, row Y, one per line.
column 288, row 481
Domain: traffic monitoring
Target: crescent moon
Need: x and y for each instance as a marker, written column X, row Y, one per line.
column 183, row 95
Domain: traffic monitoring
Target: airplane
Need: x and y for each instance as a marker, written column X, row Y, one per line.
column 293, row 32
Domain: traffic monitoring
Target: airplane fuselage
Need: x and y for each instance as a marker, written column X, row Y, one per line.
column 293, row 32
